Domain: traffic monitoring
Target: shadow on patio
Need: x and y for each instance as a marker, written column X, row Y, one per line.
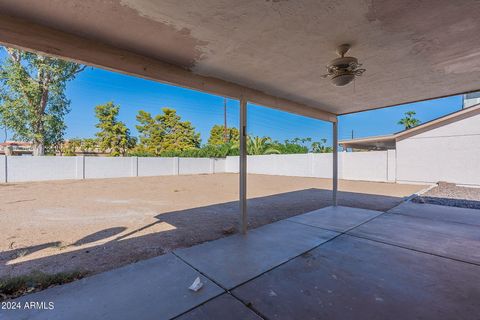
column 117, row 246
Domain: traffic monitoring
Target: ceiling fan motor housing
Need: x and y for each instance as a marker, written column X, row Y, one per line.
column 343, row 70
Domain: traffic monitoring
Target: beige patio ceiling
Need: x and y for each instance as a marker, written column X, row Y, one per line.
column 274, row 52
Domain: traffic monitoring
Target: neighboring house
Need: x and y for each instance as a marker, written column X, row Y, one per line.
column 444, row 149
column 16, row 148
column 72, row 148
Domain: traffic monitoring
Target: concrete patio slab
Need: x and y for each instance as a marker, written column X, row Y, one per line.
column 352, row 278
column 337, row 218
column 234, row 260
column 151, row 289
column 222, row 307
column 453, row 240
column 437, row 212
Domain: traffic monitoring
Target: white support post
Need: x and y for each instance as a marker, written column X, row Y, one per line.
column 335, row 163
column 243, row 165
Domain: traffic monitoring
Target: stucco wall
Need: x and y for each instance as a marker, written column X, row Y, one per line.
column 449, row 153
column 371, row 166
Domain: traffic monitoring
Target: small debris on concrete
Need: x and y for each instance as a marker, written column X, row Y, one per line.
column 196, row 285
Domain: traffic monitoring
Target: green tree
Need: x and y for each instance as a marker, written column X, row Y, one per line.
column 291, row 146
column 33, row 97
column 114, row 136
column 69, row 147
column 88, row 145
column 260, row 145
column 409, row 121
column 177, row 135
column 217, row 135
column 151, row 133
column 319, row 147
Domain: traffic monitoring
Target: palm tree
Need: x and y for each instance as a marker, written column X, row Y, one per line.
column 258, row 146
column 409, row 121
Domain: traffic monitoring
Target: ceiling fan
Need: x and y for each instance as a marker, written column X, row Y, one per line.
column 341, row 71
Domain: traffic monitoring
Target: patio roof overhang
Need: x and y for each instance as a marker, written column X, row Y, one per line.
column 271, row 52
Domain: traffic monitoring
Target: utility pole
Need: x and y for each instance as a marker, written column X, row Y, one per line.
column 225, row 130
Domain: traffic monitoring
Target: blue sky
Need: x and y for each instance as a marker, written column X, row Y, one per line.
column 95, row 86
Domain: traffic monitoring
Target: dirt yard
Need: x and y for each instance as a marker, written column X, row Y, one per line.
column 96, row 225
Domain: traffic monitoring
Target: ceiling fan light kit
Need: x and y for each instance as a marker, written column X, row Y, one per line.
column 342, row 71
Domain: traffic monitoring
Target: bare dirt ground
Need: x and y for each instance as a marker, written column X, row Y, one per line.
column 96, row 225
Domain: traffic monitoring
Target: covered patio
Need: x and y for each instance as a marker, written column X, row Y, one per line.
column 416, row 261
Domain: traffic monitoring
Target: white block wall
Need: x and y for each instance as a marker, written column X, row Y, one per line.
column 195, row 165
column 3, row 169
column 157, row 167
column 322, row 165
column 369, row 166
column 109, row 167
column 428, row 159
column 40, row 168
column 219, row 165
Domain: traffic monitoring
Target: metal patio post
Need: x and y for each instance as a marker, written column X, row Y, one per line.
column 335, row 163
column 243, row 166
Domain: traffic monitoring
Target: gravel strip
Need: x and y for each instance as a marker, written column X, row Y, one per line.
column 449, row 194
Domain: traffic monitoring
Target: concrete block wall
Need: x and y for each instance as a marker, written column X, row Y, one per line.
column 195, row 165
column 19, row 169
column 157, row 166
column 106, row 167
column 3, row 169
column 219, row 165
column 368, row 166
column 322, row 164
column 417, row 165
column 39, row 168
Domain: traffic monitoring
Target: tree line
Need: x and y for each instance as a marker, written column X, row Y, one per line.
column 166, row 135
